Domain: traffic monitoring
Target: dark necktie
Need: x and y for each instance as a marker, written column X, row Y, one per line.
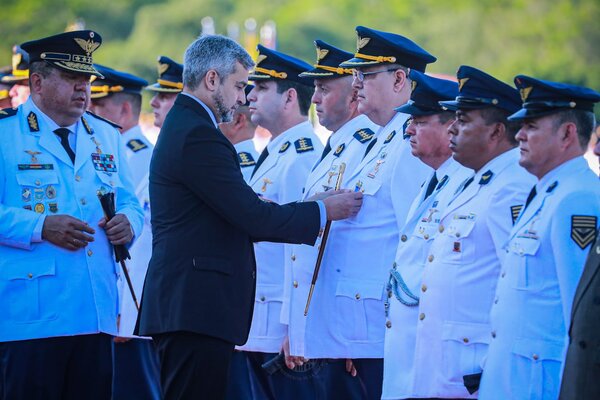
column 432, row 184
column 261, row 159
column 326, row 150
column 530, row 197
column 369, row 147
column 63, row 134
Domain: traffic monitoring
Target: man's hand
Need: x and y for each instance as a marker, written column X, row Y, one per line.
column 291, row 361
column 344, row 205
column 350, row 368
column 324, row 195
column 118, row 229
column 67, row 232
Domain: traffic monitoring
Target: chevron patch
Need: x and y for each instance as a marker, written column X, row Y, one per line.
column 515, row 211
column 583, row 229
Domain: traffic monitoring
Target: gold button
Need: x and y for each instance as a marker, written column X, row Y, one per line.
column 425, row 236
column 357, row 295
column 424, row 288
column 441, row 228
column 30, row 275
column 404, row 238
column 295, row 284
column 293, row 257
column 494, row 334
column 388, row 324
column 422, row 316
column 37, row 182
column 83, row 202
column 90, row 252
column 465, row 340
column 535, row 357
column 262, row 298
column 430, row 258
column 77, row 178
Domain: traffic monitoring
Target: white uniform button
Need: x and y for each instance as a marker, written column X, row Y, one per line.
column 357, row 295
column 424, row 288
column 494, row 334
column 262, row 298
column 441, row 228
column 388, row 324
column 465, row 340
column 535, row 357
column 293, row 257
column 30, row 275
column 404, row 238
column 425, row 236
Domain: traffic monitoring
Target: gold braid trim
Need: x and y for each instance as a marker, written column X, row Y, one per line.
column 176, row 85
column 106, row 89
column 380, row 59
column 270, row 72
column 338, row 70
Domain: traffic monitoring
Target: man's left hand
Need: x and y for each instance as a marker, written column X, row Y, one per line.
column 118, row 229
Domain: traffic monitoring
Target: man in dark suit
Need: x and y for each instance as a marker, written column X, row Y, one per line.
column 199, row 289
column 581, row 377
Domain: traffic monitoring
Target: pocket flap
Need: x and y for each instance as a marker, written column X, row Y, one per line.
column 37, row 177
column 360, row 289
column 466, row 333
column 524, row 246
column 269, row 292
column 537, row 350
column 28, row 269
column 461, row 225
column 216, row 264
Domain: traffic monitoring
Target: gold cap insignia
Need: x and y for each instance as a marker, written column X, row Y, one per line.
column 89, row 46
column 525, row 93
column 260, row 58
column 361, row 42
column 461, row 83
column 321, row 53
column 162, row 68
column 413, row 86
column 16, row 60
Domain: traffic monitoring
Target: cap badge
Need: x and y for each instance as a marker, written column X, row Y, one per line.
column 413, row 86
column 162, row 68
column 361, row 42
column 321, row 53
column 89, row 46
column 260, row 58
column 461, row 83
column 525, row 93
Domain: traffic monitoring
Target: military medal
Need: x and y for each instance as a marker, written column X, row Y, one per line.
column 26, row 194
column 38, row 193
column 358, row 186
column 104, row 162
column 98, row 150
column 39, row 208
column 266, row 181
column 33, row 155
column 50, row 192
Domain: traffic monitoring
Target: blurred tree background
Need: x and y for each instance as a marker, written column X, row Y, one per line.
column 552, row 39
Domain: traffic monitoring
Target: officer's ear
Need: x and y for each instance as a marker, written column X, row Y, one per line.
column 400, row 79
column 568, row 135
column 212, row 80
column 35, row 82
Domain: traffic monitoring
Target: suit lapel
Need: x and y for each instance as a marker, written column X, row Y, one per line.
column 589, row 272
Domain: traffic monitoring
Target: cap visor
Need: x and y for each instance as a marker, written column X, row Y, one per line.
column 414, row 110
column 157, row 87
column 525, row 113
column 317, row 73
column 359, row 62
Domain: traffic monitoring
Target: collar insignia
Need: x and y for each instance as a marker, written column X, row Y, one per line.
column 33, row 122
column 87, row 126
column 485, row 178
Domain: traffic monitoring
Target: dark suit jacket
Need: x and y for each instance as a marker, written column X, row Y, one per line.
column 202, row 274
column 581, row 377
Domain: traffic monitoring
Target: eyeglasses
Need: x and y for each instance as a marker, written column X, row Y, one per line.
column 360, row 76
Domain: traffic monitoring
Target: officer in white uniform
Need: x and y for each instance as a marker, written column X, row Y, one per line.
column 279, row 102
column 463, row 261
column 346, row 318
column 548, row 245
column 118, row 97
column 58, row 278
column 430, row 142
column 240, row 132
column 337, row 108
column 166, row 88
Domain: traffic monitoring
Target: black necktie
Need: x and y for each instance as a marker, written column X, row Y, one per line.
column 432, row 184
column 263, row 156
column 63, row 134
column 370, row 146
column 326, row 150
column 530, row 197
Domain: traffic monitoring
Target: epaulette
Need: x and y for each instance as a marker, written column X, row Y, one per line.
column 363, row 135
column 303, row 145
column 136, row 145
column 108, row 121
column 8, row 112
column 245, row 159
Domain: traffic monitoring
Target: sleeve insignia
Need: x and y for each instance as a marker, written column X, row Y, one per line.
column 486, row 178
column 114, row 124
column 8, row 112
column 339, row 149
column 583, row 229
column 136, row 145
column 363, row 135
column 33, row 122
column 246, row 159
column 390, row 137
column 87, row 126
column 303, row 145
column 284, row 147
column 515, row 211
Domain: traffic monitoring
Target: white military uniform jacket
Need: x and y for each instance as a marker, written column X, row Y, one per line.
column 348, row 145
column 422, row 225
column 346, row 318
column 139, row 153
column 280, row 178
column 247, row 156
column 460, row 277
column 49, row 291
column 546, row 252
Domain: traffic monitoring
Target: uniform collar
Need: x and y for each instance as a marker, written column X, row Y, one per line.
column 299, row 129
column 49, row 122
column 208, row 110
column 498, row 163
column 132, row 133
column 565, row 169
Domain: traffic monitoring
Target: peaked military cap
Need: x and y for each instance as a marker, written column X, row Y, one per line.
column 20, row 66
column 170, row 76
column 480, row 90
column 272, row 64
column 376, row 47
column 426, row 94
column 328, row 63
column 542, row 97
column 115, row 82
column 69, row 51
